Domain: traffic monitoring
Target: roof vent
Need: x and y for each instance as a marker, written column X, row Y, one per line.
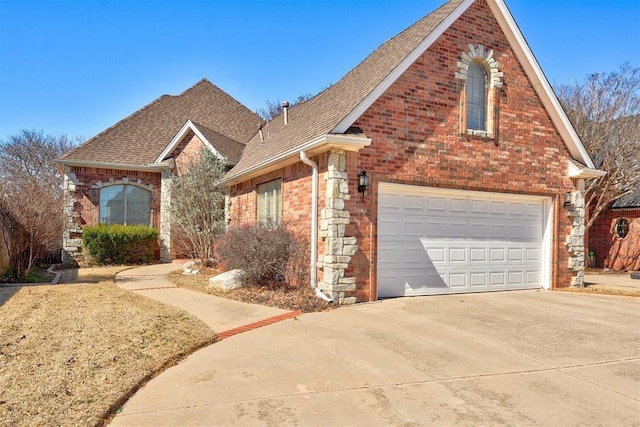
column 285, row 110
column 260, row 132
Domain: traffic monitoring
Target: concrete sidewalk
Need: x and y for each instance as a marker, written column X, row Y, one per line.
column 220, row 314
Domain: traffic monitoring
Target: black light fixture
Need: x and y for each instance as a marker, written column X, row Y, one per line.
column 363, row 183
column 567, row 199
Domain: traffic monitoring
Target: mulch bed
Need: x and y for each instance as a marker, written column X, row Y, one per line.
column 278, row 295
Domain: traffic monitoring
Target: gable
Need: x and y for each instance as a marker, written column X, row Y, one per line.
column 222, row 146
column 141, row 137
column 415, row 123
column 336, row 109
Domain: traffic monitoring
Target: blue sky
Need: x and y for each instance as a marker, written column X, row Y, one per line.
column 77, row 67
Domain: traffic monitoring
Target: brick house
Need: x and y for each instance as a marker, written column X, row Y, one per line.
column 614, row 237
column 474, row 171
column 442, row 163
column 121, row 174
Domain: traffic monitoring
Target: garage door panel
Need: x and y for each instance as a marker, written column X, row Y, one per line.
column 455, row 243
column 532, row 277
column 436, row 204
column 479, row 207
column 458, row 280
column 457, row 255
column 478, row 279
column 479, row 255
column 436, row 254
column 457, row 205
column 497, row 278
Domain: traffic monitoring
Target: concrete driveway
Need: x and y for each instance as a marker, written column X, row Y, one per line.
column 507, row 358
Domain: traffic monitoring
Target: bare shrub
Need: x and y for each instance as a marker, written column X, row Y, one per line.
column 197, row 207
column 266, row 254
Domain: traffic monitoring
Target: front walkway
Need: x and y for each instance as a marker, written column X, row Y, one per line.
column 220, row 314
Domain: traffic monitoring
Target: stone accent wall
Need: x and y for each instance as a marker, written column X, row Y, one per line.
column 72, row 232
column 575, row 240
column 167, row 252
column 338, row 248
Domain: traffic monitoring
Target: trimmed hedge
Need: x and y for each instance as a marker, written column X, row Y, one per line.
column 120, row 244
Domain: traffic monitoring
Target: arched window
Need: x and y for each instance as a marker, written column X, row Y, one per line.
column 125, row 204
column 476, row 97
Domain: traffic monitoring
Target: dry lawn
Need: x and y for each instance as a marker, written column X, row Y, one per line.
column 277, row 295
column 73, row 354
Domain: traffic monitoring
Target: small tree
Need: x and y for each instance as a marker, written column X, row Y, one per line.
column 197, row 206
column 605, row 112
column 31, row 197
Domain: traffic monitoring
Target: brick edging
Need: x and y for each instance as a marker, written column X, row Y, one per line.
column 259, row 324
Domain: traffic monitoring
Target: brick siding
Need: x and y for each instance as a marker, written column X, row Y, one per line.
column 416, row 139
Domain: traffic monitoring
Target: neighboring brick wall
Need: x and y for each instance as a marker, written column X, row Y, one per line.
column 416, row 139
column 611, row 251
column 82, row 206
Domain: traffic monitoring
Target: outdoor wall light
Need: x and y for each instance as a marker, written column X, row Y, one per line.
column 567, row 199
column 363, row 183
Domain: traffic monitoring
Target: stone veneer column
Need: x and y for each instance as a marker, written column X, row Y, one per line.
column 338, row 249
column 166, row 252
column 575, row 240
column 72, row 232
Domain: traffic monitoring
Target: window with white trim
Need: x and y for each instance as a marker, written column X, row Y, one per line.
column 125, row 204
column 270, row 202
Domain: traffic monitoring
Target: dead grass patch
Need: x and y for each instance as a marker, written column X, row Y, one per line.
column 72, row 354
column 276, row 295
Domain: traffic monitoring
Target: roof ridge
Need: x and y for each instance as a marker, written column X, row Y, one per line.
column 139, row 110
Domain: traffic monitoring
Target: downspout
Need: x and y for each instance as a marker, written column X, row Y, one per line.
column 314, row 225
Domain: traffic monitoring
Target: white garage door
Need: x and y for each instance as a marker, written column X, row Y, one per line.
column 435, row 241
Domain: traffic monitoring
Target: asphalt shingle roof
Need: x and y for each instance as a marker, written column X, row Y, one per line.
column 227, row 147
column 321, row 114
column 631, row 200
column 140, row 138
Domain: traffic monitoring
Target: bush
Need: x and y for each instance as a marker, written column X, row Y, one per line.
column 120, row 244
column 267, row 255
